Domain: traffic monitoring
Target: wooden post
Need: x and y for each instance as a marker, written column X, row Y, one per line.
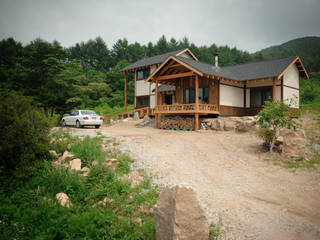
column 282, row 89
column 274, row 90
column 161, row 99
column 156, row 103
column 196, row 116
column 125, row 91
column 245, row 94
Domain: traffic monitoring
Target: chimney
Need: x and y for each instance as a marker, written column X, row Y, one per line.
column 216, row 59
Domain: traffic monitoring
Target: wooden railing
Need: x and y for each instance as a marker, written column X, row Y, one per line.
column 141, row 111
column 186, row 108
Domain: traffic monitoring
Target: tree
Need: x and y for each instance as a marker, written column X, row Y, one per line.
column 273, row 116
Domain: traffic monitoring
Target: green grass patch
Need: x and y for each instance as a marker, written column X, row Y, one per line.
column 29, row 210
column 215, row 230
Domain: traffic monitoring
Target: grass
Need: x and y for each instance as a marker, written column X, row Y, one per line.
column 215, row 230
column 29, row 210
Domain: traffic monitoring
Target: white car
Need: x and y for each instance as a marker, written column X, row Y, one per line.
column 80, row 118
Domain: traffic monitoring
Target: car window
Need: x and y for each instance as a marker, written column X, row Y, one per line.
column 87, row 112
column 76, row 113
column 72, row 113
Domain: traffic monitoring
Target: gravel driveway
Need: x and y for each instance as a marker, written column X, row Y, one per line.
column 234, row 181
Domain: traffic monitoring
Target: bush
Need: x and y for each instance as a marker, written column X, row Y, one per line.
column 24, row 134
column 267, row 135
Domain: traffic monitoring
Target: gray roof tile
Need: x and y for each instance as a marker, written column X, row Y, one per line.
column 147, row 61
column 242, row 72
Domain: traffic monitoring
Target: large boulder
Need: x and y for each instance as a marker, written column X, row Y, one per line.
column 63, row 199
column 241, row 126
column 229, row 124
column 217, row 124
column 294, row 143
column 146, row 118
column 178, row 215
column 75, row 165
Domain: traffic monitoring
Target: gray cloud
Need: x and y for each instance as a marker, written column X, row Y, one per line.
column 246, row 24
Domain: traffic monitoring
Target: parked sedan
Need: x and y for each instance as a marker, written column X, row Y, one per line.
column 80, row 118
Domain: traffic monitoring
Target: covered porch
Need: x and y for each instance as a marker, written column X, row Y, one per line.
column 187, row 91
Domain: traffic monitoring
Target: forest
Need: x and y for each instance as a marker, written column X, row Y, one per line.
column 85, row 75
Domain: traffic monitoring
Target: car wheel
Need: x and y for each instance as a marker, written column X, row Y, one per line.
column 78, row 125
column 97, row 126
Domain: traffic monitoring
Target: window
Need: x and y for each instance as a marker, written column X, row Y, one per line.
column 143, row 74
column 189, row 95
column 143, row 101
column 260, row 95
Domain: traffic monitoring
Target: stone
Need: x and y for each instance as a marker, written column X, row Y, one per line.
column 229, row 124
column 146, row 118
column 136, row 178
column 66, row 155
column 63, row 199
column 279, row 141
column 241, row 126
column 75, row 164
column 294, row 144
column 105, row 201
column 136, row 116
column 85, row 171
column 217, row 124
column 53, row 153
column 178, row 215
column 69, row 147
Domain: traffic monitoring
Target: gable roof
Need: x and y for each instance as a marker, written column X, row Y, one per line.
column 148, row 61
column 241, row 72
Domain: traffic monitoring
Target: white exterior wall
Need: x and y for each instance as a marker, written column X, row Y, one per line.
column 291, row 79
column 143, row 88
column 248, row 98
column 231, row 96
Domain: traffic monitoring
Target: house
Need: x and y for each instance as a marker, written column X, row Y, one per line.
column 178, row 83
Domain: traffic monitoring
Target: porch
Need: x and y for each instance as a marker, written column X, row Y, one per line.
column 187, row 109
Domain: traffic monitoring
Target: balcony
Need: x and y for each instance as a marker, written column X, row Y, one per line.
column 186, row 109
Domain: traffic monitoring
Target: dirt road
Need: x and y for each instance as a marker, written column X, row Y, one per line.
column 234, row 181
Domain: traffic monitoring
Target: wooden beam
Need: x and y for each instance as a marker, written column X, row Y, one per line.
column 274, row 90
column 245, row 94
column 156, row 102
column 167, row 67
column 281, row 89
column 197, row 91
column 172, row 76
column 196, row 122
column 125, row 91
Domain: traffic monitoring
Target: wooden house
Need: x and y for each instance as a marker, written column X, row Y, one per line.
column 178, row 83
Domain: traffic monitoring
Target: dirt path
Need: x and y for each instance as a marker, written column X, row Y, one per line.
column 254, row 198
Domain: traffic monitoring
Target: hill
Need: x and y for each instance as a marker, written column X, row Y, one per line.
column 308, row 48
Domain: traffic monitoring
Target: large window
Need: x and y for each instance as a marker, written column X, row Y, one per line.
column 143, row 101
column 189, row 95
column 143, row 74
column 260, row 95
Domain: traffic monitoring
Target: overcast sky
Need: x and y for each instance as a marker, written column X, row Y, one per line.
column 246, row 24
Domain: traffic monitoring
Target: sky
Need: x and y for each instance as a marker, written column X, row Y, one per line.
column 246, row 24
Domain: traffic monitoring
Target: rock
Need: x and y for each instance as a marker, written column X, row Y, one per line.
column 136, row 178
column 63, row 199
column 66, row 155
column 136, row 116
column 75, row 164
column 146, row 118
column 229, row 124
column 217, row 124
column 69, row 147
column 279, row 141
column 178, row 215
column 294, row 144
column 85, row 171
column 53, row 153
column 241, row 126
column 105, row 201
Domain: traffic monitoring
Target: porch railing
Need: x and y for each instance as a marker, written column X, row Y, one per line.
column 186, row 108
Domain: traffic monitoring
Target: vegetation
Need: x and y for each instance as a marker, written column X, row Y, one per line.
column 308, row 48
column 24, row 135
column 271, row 118
column 30, row 210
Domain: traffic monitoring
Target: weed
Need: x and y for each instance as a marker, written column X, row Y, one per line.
column 215, row 230
column 123, row 166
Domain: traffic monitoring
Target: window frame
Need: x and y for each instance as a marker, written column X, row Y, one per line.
column 144, row 74
column 142, row 97
column 262, row 90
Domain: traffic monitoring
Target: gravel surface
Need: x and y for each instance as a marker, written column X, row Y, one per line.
column 234, row 181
